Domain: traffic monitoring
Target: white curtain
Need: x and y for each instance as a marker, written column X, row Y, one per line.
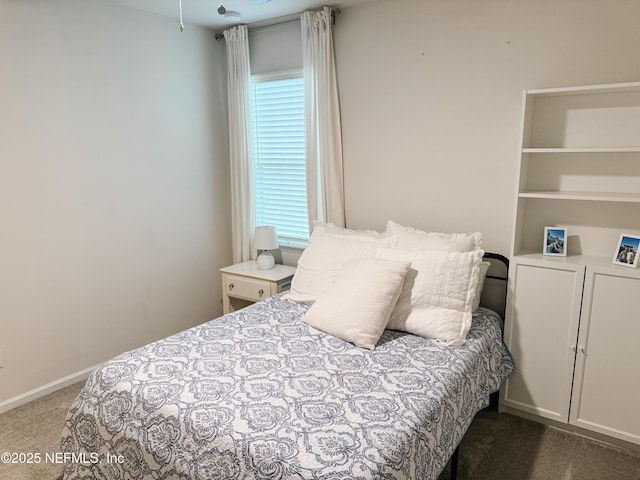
column 325, row 186
column 242, row 203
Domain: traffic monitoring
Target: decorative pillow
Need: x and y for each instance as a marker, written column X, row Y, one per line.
column 484, row 268
column 409, row 237
column 438, row 293
column 357, row 306
column 322, row 227
column 323, row 259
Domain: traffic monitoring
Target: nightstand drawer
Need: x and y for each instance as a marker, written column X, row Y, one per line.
column 249, row 288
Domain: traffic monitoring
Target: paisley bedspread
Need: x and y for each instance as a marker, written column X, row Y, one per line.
column 258, row 394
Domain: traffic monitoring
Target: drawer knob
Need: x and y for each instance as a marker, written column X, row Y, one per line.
column 231, row 285
column 260, row 292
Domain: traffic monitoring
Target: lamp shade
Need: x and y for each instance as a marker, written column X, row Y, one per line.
column 265, row 238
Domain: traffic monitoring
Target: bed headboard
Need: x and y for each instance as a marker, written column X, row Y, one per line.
column 494, row 292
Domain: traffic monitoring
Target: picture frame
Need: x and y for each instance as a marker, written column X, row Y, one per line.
column 555, row 241
column 626, row 253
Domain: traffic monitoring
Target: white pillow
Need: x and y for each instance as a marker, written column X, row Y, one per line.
column 484, row 268
column 357, row 306
column 323, row 259
column 438, row 293
column 323, row 227
column 409, row 237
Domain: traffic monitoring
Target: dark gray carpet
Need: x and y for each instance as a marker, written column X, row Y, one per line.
column 496, row 447
column 504, row 447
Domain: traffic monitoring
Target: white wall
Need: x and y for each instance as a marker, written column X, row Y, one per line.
column 431, row 96
column 113, row 152
column 113, row 184
column 276, row 48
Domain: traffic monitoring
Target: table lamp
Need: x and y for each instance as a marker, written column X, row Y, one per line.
column 265, row 239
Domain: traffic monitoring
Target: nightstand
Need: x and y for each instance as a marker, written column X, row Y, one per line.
column 244, row 283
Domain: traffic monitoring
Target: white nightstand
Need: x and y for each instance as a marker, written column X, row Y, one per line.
column 244, row 283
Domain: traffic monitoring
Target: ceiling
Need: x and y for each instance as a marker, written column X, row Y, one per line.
column 204, row 12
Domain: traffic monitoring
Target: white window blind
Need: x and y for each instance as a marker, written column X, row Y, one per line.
column 277, row 112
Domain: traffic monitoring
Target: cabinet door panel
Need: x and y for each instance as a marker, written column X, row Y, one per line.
column 607, row 391
column 542, row 327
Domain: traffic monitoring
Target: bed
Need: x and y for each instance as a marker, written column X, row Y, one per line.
column 261, row 394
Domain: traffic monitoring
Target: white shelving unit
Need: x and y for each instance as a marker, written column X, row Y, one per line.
column 579, row 167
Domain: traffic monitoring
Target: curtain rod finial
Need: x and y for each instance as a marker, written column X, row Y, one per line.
column 335, row 11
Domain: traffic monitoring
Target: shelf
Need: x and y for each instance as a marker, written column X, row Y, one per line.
column 585, row 196
column 587, row 90
column 594, row 261
column 537, row 257
column 582, row 150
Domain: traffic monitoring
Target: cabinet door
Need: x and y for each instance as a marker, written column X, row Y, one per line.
column 607, row 391
column 541, row 333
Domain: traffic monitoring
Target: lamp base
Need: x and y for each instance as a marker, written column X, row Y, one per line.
column 265, row 261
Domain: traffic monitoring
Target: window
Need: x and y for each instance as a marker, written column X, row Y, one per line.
column 278, row 130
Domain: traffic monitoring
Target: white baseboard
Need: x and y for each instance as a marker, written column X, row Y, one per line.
column 39, row 392
column 583, row 432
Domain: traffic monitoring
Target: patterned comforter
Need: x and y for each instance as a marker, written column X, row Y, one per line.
column 258, row 394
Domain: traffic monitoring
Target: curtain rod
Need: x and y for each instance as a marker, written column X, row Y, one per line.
column 335, row 11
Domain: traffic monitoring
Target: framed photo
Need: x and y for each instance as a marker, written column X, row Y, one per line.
column 627, row 250
column 555, row 241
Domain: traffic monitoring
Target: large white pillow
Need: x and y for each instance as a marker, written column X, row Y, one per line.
column 323, row 259
column 409, row 237
column 324, row 227
column 484, row 268
column 438, row 293
column 357, row 306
